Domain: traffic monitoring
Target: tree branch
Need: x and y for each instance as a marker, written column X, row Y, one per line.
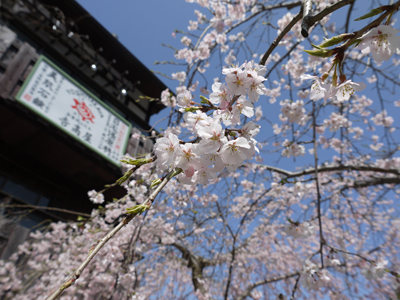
column 197, row 264
column 332, row 168
column 305, row 25
column 275, row 43
column 249, row 289
column 34, row 207
column 311, row 20
column 376, row 181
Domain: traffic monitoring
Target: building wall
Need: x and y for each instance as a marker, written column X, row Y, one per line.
column 40, row 165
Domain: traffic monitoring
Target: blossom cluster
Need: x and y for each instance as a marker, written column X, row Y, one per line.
column 342, row 92
column 376, row 270
column 298, row 230
column 95, row 197
column 312, row 277
column 380, row 41
column 216, row 147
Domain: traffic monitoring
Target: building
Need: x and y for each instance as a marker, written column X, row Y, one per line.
column 61, row 75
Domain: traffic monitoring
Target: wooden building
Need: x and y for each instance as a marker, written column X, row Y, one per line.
column 42, row 162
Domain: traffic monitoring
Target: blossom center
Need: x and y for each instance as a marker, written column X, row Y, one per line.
column 381, row 39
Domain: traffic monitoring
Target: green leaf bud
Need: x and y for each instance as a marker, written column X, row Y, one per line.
column 374, row 12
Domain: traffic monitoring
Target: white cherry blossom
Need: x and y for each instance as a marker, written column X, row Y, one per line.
column 235, row 152
column 219, row 95
column 184, row 99
column 381, row 42
column 212, row 137
column 346, row 89
column 165, row 149
column 319, row 89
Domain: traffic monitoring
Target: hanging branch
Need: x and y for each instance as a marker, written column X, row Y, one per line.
column 321, row 234
column 100, row 244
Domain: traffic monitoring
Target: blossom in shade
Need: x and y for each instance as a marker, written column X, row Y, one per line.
column 298, row 230
column 180, row 76
column 96, row 197
column 376, row 270
column 249, row 130
column 292, row 149
column 319, row 89
column 294, row 111
column 167, row 98
column 312, row 277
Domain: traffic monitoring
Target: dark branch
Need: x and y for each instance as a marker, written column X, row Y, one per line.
column 249, row 289
column 333, row 168
column 197, row 264
column 311, row 20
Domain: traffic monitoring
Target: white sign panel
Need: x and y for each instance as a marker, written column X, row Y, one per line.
column 62, row 101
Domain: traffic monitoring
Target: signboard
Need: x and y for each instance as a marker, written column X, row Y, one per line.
column 58, row 98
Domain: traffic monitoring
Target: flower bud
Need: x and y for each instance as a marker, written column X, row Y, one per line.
column 324, row 76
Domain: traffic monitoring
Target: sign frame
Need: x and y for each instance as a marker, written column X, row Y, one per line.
column 79, row 86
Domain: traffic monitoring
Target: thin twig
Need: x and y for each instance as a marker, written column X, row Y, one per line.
column 72, row 212
column 275, row 43
column 295, row 287
column 321, row 234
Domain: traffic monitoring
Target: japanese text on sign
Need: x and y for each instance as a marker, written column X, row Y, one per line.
column 59, row 99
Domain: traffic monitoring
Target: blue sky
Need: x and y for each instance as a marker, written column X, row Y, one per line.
column 142, row 26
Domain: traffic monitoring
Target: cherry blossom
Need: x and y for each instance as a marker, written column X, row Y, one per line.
column 95, row 197
column 376, row 270
column 294, row 111
column 381, row 42
column 346, row 89
column 297, row 230
column 292, row 149
column 168, row 99
column 184, row 99
column 319, row 89
column 235, row 152
column 219, row 95
column 165, row 149
column 312, row 277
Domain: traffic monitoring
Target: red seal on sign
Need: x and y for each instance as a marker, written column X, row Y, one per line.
column 84, row 111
